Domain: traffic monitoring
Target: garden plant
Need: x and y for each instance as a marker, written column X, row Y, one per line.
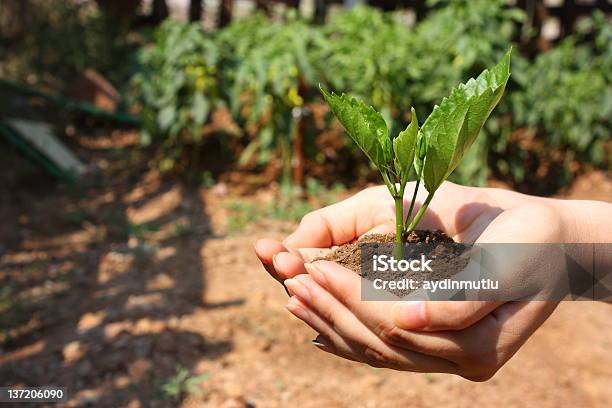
column 434, row 150
column 265, row 72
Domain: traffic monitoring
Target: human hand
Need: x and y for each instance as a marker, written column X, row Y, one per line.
column 472, row 339
column 461, row 212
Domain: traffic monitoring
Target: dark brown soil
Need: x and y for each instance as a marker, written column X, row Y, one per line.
column 446, row 260
column 349, row 255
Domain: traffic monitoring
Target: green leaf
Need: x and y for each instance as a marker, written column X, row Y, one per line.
column 453, row 126
column 365, row 126
column 200, row 108
column 404, row 146
column 420, row 153
column 166, row 116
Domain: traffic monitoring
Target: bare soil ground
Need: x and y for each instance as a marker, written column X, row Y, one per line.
column 129, row 292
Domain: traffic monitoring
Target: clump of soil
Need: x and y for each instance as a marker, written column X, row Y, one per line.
column 349, row 255
column 444, row 253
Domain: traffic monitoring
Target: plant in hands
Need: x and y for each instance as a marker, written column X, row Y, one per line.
column 434, row 150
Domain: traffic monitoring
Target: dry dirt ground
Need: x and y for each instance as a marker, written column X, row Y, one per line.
column 129, row 291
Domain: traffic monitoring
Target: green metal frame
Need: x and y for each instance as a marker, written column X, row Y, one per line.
column 70, row 104
column 14, row 138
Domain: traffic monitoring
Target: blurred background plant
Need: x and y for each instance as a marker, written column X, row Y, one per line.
column 176, row 88
column 263, row 71
column 50, row 42
column 266, row 68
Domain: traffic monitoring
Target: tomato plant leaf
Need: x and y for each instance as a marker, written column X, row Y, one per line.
column 365, row 126
column 200, row 108
column 404, row 146
column 453, row 126
column 166, row 116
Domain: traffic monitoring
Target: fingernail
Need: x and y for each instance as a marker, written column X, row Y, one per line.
column 258, row 251
column 274, row 261
column 317, row 274
column 294, row 307
column 317, row 342
column 410, row 315
column 298, row 289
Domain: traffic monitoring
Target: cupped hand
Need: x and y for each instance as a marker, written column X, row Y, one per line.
column 472, row 339
column 461, row 212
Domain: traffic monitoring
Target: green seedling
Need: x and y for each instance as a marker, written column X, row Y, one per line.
column 434, row 150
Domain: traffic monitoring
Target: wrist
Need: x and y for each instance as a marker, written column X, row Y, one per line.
column 585, row 221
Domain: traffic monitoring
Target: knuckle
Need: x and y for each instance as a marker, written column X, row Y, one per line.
column 458, row 314
column 393, row 335
column 376, row 358
column 544, row 214
column 309, row 218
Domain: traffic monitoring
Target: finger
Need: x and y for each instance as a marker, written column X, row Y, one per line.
column 441, row 315
column 332, row 341
column 288, row 265
column 341, row 222
column 327, row 346
column 265, row 249
column 345, row 286
column 310, row 254
column 346, row 324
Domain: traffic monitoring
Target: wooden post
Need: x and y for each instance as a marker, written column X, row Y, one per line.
column 297, row 157
column 568, row 17
column 263, row 5
column 420, row 9
column 195, row 10
column 225, row 12
column 160, row 11
column 320, row 11
column 293, row 3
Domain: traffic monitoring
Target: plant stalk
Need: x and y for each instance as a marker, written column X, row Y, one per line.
column 398, row 252
column 390, row 185
column 420, row 213
column 414, row 196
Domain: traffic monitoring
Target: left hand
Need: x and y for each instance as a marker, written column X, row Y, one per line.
column 472, row 339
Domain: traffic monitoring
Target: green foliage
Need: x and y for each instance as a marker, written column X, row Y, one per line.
column 268, row 71
column 439, row 145
column 241, row 215
column 566, row 94
column 264, row 64
column 365, row 126
column 404, row 147
column 177, row 87
column 453, row 126
column 367, row 53
column 183, row 383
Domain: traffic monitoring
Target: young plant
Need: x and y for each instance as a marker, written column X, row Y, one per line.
column 434, row 150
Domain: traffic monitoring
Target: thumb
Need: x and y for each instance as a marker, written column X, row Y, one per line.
column 440, row 315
